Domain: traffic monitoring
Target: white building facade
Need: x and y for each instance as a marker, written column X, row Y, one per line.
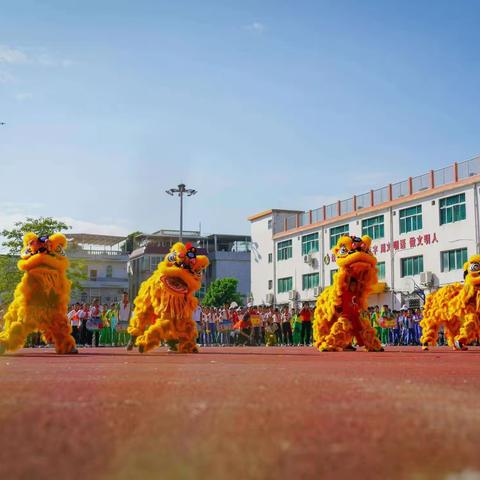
column 104, row 261
column 423, row 230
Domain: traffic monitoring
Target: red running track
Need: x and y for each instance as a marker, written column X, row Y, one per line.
column 246, row 413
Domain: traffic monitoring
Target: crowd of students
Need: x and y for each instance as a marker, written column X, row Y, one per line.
column 106, row 325
column 292, row 326
column 254, row 326
column 95, row 325
column 398, row 327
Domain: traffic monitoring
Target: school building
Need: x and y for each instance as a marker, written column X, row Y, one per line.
column 423, row 229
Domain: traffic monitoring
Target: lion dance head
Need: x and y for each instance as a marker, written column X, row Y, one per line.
column 43, row 253
column 354, row 253
column 471, row 271
column 182, row 268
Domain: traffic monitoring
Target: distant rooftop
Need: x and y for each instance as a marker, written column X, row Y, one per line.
column 94, row 239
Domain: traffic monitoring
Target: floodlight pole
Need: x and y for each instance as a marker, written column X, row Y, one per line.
column 181, row 190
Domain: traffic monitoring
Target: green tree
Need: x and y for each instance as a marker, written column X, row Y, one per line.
column 222, row 292
column 12, row 245
column 130, row 245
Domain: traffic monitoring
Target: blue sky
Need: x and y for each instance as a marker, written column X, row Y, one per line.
column 257, row 104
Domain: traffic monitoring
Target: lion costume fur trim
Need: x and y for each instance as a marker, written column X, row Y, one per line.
column 41, row 297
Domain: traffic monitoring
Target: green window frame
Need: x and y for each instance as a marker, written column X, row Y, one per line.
column 411, row 266
column 374, row 227
column 285, row 284
column 411, row 219
column 381, row 271
column 332, row 273
column 453, row 259
column 310, row 243
column 284, row 250
column 453, row 209
column 310, row 280
column 336, row 233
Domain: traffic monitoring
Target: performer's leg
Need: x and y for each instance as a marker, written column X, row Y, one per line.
column 16, row 330
column 160, row 330
column 369, row 336
column 143, row 317
column 430, row 329
column 468, row 332
column 187, row 338
column 339, row 337
column 59, row 333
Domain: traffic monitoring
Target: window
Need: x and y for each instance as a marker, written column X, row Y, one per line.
column 310, row 243
column 270, row 258
column 269, row 225
column 411, row 219
column 284, row 250
column 336, row 233
column 154, row 261
column 109, row 271
column 311, row 280
column 452, row 209
column 93, row 275
column 453, row 259
column 332, row 274
column 373, row 227
column 381, row 270
column 285, row 284
column 270, row 284
column 411, row 266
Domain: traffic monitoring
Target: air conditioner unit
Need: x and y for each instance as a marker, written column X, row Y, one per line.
column 308, row 258
column 269, row 298
column 317, row 291
column 292, row 295
column 426, row 278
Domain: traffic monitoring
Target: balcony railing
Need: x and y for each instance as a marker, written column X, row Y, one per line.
column 95, row 253
column 435, row 178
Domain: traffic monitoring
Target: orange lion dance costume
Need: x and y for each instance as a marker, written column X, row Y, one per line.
column 165, row 302
column 338, row 314
column 457, row 307
column 41, row 297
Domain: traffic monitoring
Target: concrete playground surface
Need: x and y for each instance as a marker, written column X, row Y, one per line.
column 246, row 413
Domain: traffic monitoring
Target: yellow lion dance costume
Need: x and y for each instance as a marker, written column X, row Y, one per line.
column 456, row 306
column 339, row 312
column 41, row 297
column 165, row 303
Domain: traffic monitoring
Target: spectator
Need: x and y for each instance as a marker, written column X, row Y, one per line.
column 124, row 313
column 95, row 323
column 277, row 320
column 75, row 322
column 306, row 316
column 286, row 327
column 84, row 316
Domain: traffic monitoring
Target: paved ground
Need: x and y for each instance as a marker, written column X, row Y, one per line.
column 240, row 413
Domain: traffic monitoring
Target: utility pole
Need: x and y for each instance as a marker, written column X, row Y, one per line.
column 181, row 190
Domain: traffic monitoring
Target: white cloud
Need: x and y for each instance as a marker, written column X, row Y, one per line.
column 31, row 56
column 12, row 55
column 23, row 96
column 256, row 27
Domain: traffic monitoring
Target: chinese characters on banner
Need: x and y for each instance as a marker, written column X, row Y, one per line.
column 424, row 240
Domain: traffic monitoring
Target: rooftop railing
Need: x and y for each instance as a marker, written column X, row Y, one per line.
column 433, row 179
column 79, row 252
